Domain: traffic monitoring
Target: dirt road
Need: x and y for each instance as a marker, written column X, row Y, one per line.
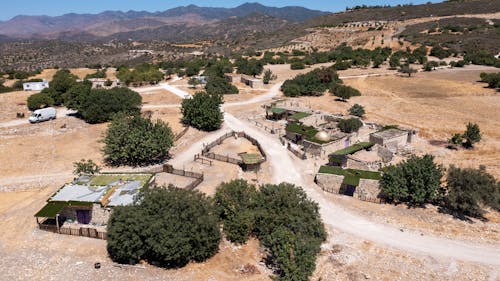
column 286, row 169
column 62, row 112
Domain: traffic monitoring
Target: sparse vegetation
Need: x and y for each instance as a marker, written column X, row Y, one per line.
column 144, row 73
column 86, row 167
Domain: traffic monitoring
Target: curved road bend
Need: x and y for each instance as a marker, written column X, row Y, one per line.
column 285, row 170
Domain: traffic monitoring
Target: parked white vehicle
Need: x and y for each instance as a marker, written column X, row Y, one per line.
column 43, row 114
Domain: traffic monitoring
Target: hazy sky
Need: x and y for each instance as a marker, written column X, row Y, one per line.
column 59, row 7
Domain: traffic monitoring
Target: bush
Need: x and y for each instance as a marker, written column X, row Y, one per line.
column 38, row 101
column 100, row 105
column 342, row 65
column 98, row 74
column 269, row 76
column 137, row 141
column 144, row 73
column 235, row 204
column 472, row 135
column 251, row 67
column 169, row 227
column 297, row 65
column 203, row 111
column 344, row 92
column 86, row 167
column 493, row 79
column 349, row 125
column 357, row 110
column 220, row 86
column 415, row 181
column 440, row 53
column 468, row 189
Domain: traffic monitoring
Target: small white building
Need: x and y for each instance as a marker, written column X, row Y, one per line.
column 36, row 86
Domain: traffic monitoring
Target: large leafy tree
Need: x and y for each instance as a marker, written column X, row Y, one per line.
column 220, row 86
column 203, row 111
column 251, row 67
column 415, row 181
column 169, row 227
column 313, row 83
column 37, row 101
column 289, row 225
column 235, row 202
column 469, row 190
column 137, row 141
column 100, row 105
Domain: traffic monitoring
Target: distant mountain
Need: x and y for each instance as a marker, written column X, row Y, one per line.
column 111, row 22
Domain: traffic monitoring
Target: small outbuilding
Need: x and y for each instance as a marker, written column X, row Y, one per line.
column 36, row 86
column 390, row 137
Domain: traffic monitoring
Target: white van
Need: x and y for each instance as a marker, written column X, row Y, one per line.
column 43, row 114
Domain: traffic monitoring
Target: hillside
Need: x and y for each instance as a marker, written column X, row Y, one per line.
column 110, row 22
column 399, row 13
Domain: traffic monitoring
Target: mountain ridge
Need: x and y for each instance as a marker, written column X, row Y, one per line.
column 26, row 27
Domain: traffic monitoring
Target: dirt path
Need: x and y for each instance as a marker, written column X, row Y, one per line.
column 286, row 169
column 62, row 112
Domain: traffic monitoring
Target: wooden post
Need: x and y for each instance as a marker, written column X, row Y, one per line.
column 57, row 224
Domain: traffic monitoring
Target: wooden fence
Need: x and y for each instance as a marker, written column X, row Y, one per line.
column 225, row 158
column 75, row 231
column 197, row 176
column 266, row 128
column 182, row 133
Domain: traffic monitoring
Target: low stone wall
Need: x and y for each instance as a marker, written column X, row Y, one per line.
column 329, row 183
column 357, row 164
column 100, row 215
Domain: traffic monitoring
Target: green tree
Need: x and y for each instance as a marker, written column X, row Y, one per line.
column 468, row 189
column 62, row 81
column 472, row 135
column 395, row 61
column 269, row 76
column 251, row 67
column 169, row 227
column 86, row 167
column 220, row 86
column 38, row 101
column 415, row 181
column 296, row 65
column 100, row 105
column 76, row 95
column 406, row 69
column 203, row 111
column 235, row 204
column 289, row 225
column 344, row 92
column 357, row 110
column 193, row 82
column 137, row 141
column 349, row 125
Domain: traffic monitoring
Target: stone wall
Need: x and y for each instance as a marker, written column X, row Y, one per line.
column 369, row 189
column 70, row 212
column 100, row 215
column 328, row 182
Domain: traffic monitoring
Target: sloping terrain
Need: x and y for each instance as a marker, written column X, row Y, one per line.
column 109, row 22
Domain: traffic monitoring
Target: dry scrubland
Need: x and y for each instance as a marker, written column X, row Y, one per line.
column 437, row 103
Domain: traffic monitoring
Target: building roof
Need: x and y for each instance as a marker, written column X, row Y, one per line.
column 251, row 158
column 277, row 110
column 389, row 134
column 51, row 209
column 81, row 193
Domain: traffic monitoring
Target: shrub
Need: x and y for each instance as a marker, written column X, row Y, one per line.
column 251, row 67
column 98, row 74
column 297, row 65
column 415, row 181
column 467, row 189
column 357, row 110
column 38, row 101
column 493, row 79
column 144, row 73
column 472, row 135
column 440, row 53
column 344, row 92
column 203, row 111
column 86, row 167
column 235, row 204
column 342, row 65
column 169, row 227
column 137, row 141
column 349, row 125
column 269, row 76
column 100, row 105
